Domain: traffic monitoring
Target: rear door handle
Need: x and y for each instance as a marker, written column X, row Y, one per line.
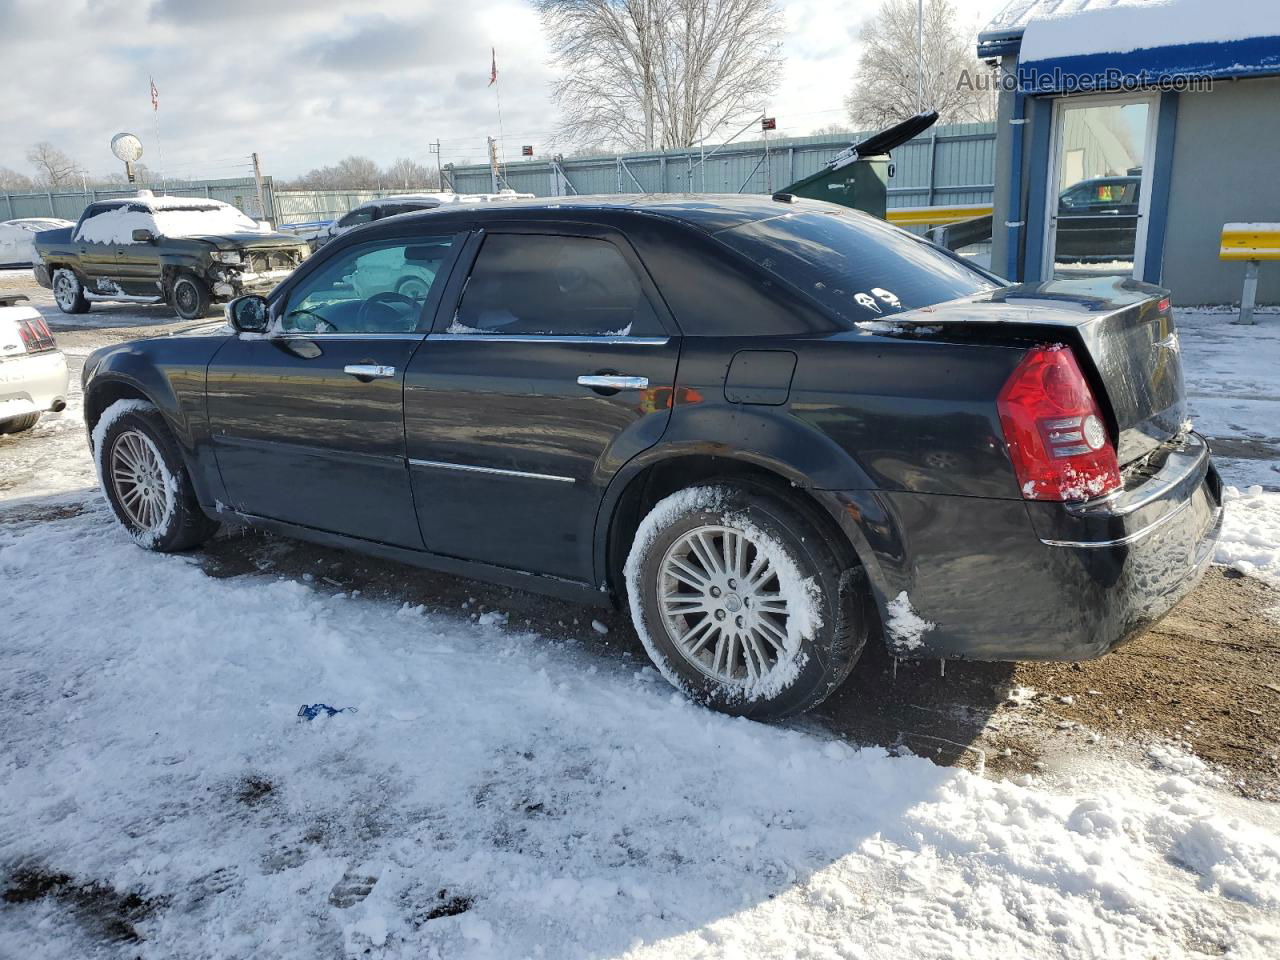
column 613, row 382
column 369, row 371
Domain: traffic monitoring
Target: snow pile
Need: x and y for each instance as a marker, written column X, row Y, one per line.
column 905, row 627
column 1117, row 26
column 499, row 795
column 1250, row 541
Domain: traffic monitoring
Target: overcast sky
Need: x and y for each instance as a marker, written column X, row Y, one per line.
column 305, row 84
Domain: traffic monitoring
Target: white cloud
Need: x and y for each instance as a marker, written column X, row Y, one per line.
column 306, row 85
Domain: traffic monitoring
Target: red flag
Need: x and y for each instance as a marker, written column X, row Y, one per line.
column 155, row 95
column 493, row 67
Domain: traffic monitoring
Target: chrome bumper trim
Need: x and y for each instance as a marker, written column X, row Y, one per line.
column 492, row 470
column 1137, row 535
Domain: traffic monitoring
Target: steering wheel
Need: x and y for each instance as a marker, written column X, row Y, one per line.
column 323, row 324
column 389, row 297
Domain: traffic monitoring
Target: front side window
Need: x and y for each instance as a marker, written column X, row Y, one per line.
column 859, row 267
column 526, row 284
column 378, row 287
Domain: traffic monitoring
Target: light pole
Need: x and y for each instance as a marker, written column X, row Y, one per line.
column 919, row 56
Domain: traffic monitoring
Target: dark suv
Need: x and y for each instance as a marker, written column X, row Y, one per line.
column 189, row 252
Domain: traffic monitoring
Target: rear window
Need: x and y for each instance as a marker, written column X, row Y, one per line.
column 860, row 267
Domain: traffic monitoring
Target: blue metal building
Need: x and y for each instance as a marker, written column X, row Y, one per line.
column 1129, row 132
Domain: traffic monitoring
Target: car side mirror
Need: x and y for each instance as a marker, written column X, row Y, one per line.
column 143, row 236
column 248, row 314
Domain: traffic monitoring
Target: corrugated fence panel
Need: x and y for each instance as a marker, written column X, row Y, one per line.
column 946, row 165
column 68, row 204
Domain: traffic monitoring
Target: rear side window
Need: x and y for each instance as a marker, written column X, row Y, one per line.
column 553, row 286
column 856, row 265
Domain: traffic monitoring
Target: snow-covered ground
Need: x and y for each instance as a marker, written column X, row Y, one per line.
column 498, row 794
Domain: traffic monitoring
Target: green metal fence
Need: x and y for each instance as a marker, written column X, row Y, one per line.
column 69, row 204
column 952, row 164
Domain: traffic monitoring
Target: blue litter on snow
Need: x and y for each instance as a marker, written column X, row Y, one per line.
column 313, row 711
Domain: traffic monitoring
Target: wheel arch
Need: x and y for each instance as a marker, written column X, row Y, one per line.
column 657, row 473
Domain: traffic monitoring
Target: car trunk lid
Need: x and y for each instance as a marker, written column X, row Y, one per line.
column 1124, row 336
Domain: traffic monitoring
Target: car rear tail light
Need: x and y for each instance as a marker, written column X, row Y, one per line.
column 1054, row 429
column 35, row 334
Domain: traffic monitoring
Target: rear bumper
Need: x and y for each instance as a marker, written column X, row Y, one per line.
column 32, row 384
column 42, row 275
column 1014, row 580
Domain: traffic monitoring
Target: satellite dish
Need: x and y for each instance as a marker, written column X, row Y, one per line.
column 126, row 147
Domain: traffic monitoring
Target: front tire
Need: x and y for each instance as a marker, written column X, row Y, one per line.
column 146, row 481
column 743, row 603
column 190, row 297
column 68, row 291
column 19, row 424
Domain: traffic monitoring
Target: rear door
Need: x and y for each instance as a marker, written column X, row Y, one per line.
column 308, row 423
column 549, row 367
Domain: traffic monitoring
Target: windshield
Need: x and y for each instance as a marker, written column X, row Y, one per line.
column 859, row 267
column 197, row 221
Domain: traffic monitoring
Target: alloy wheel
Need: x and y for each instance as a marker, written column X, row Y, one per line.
column 722, row 604
column 64, row 290
column 138, row 476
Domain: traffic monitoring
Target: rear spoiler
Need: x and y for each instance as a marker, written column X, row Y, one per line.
column 11, row 299
column 884, row 141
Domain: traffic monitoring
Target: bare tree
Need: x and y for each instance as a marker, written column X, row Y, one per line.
column 831, row 129
column 654, row 74
column 408, row 174
column 11, row 181
column 53, row 167
column 885, row 87
column 349, row 173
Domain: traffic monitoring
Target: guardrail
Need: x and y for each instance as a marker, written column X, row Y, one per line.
column 1252, row 243
column 936, row 216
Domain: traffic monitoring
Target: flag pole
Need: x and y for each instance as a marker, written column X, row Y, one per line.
column 502, row 138
column 155, row 112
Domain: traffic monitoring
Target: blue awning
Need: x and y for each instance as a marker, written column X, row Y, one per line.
column 1066, row 46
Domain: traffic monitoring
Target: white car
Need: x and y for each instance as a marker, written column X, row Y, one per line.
column 33, row 371
column 16, row 249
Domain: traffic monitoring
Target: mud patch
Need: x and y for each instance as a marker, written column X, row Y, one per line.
column 104, row 912
column 1206, row 677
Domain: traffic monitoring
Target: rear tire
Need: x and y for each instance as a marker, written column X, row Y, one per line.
column 146, row 482
column 743, row 603
column 190, row 297
column 68, row 291
column 19, row 424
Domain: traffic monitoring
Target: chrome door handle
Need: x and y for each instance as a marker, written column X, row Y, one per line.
column 601, row 382
column 368, row 371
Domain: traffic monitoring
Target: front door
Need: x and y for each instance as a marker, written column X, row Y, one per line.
column 554, row 369
column 1101, row 176
column 308, row 423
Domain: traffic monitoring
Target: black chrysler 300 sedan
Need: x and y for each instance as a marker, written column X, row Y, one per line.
column 775, row 427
